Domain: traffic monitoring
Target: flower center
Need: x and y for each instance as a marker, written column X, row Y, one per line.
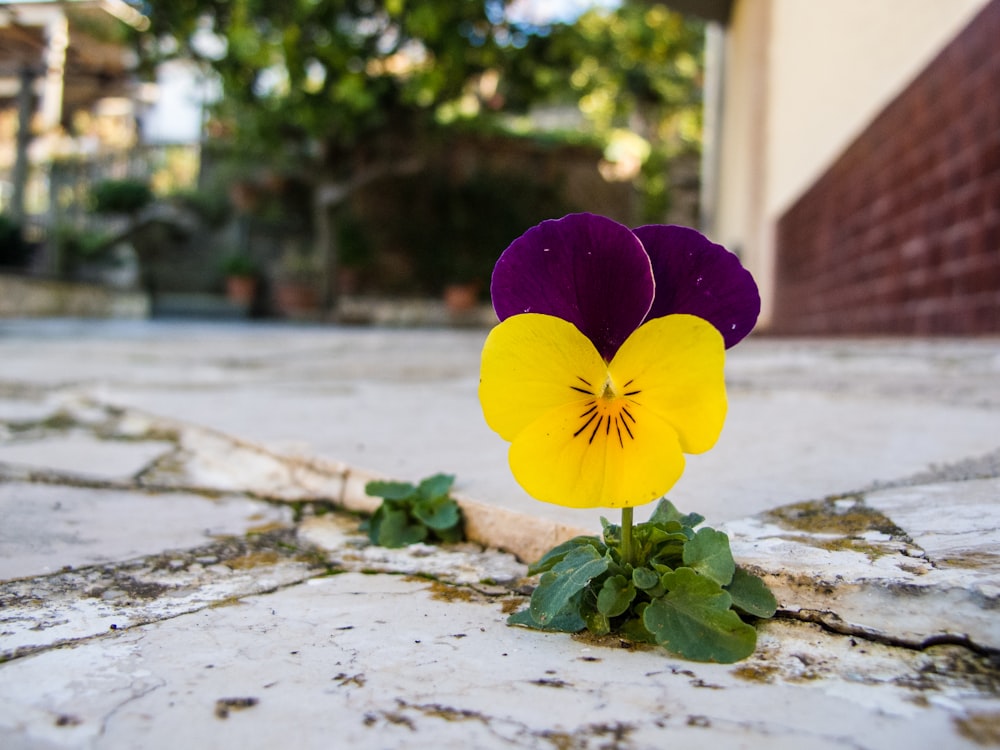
column 606, row 411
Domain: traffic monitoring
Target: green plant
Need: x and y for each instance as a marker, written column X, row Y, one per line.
column 415, row 513
column 81, row 244
column 14, row 251
column 683, row 591
column 456, row 229
column 120, row 196
column 239, row 264
column 299, row 266
column 211, row 206
column 354, row 247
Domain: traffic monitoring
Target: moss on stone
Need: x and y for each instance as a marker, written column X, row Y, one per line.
column 834, row 516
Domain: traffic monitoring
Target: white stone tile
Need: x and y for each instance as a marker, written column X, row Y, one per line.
column 84, row 455
column 374, row 661
column 47, row 527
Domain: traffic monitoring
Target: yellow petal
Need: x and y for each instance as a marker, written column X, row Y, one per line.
column 589, row 434
column 530, row 365
column 603, row 466
column 677, row 363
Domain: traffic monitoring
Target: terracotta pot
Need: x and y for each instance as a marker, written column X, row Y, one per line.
column 241, row 289
column 296, row 299
column 461, row 297
column 245, row 196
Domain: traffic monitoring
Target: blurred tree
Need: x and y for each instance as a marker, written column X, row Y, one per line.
column 352, row 87
column 635, row 73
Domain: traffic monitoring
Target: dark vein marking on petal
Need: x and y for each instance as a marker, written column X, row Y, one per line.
column 597, row 426
column 585, row 425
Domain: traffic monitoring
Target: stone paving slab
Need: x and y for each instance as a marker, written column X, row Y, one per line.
column 219, row 592
column 327, row 663
column 47, row 527
column 807, row 418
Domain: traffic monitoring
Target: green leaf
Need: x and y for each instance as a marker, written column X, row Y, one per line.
column 636, row 632
column 597, row 623
column 661, row 542
column 645, row 579
column 566, row 579
column 694, row 620
column 751, row 595
column 390, row 490
column 666, row 512
column 436, row 486
column 439, row 513
column 454, row 534
column 709, row 554
column 615, row 596
column 395, row 529
column 567, row 621
column 557, row 553
column 611, row 533
column 375, row 523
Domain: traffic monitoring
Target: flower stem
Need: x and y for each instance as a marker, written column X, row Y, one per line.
column 627, row 536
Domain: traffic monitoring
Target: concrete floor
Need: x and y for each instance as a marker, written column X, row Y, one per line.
column 156, row 590
column 806, row 418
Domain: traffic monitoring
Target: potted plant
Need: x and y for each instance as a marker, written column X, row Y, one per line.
column 354, row 254
column 241, row 277
column 121, row 196
column 296, row 285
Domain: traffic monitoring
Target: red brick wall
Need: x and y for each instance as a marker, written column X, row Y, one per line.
column 902, row 234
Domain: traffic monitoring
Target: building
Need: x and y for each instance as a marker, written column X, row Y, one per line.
column 852, row 159
column 64, row 69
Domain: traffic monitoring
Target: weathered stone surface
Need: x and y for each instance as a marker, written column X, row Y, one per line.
column 86, row 602
column 49, row 526
column 379, row 661
column 85, row 455
column 913, row 565
column 807, row 419
column 21, row 297
column 246, row 613
column 456, row 563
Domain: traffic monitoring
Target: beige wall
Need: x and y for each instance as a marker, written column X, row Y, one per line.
column 802, row 78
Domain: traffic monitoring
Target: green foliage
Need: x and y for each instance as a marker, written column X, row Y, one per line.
column 694, row 620
column 211, row 206
column 457, row 227
column 415, row 513
column 239, row 264
column 14, row 251
column 355, row 247
column 344, row 85
column 120, row 196
column 637, row 67
column 76, row 244
column 332, row 71
column 683, row 592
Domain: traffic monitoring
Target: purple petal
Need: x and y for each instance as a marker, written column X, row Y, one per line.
column 696, row 276
column 586, row 269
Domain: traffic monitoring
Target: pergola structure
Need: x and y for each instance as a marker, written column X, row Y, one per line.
column 57, row 57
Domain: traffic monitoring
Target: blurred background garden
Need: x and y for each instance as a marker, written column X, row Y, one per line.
column 272, row 159
column 314, row 159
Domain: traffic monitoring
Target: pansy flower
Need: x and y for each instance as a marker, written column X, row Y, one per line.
column 607, row 364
